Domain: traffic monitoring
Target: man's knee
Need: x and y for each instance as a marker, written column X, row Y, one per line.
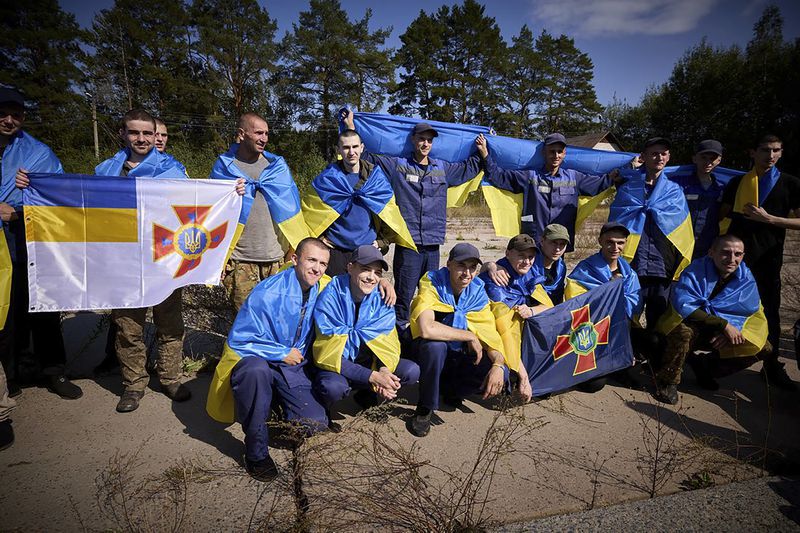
column 251, row 372
column 407, row 371
column 331, row 387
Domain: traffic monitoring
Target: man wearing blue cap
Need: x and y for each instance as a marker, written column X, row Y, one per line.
column 703, row 194
column 550, row 194
column 420, row 185
column 459, row 350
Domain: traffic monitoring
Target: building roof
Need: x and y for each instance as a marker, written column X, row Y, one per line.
column 592, row 139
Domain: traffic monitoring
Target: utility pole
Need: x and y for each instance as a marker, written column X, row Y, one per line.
column 94, row 126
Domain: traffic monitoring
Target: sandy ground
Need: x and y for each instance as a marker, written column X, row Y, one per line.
column 80, row 465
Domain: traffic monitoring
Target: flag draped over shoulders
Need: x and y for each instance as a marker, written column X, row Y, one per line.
column 666, row 204
column 273, row 320
column 594, row 271
column 331, row 195
column 340, row 333
column 154, row 165
column 277, row 186
column 471, row 312
column 751, row 190
column 738, row 303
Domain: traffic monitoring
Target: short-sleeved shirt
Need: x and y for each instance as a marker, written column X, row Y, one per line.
column 259, row 241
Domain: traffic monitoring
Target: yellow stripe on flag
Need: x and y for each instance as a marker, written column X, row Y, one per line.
column 573, row 289
column 506, row 210
column 317, row 214
column 294, row 229
column 219, row 404
column 5, row 280
column 328, row 351
column 80, row 224
column 387, row 348
column 587, row 205
column 457, row 196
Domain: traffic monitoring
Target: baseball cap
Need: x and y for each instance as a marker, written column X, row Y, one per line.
column 553, row 232
column 657, row 140
column 423, row 127
column 368, row 254
column 614, row 226
column 11, row 96
column 521, row 242
column 554, row 138
column 464, row 251
column 709, row 145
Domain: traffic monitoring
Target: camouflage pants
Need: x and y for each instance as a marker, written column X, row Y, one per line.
column 241, row 277
column 687, row 337
column 132, row 352
column 6, row 404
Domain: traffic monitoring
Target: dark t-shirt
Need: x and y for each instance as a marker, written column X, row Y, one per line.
column 763, row 243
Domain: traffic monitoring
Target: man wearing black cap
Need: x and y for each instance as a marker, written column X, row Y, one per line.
column 356, row 341
column 550, row 193
column 758, row 205
column 420, row 186
column 22, row 153
column 459, row 350
column 703, row 194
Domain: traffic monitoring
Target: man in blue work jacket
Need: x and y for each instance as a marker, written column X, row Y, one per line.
column 550, row 194
column 703, row 194
column 420, row 185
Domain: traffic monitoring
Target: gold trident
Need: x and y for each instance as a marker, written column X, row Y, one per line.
column 192, row 243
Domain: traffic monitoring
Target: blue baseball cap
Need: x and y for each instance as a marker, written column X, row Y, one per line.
column 464, row 251
column 554, row 138
column 368, row 254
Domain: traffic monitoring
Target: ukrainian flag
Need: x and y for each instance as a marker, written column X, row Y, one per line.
column 279, row 190
column 110, row 242
column 594, row 271
column 472, row 311
column 263, row 328
column 751, row 190
column 738, row 303
column 5, row 279
column 331, row 195
column 666, row 203
column 340, row 333
column 504, row 299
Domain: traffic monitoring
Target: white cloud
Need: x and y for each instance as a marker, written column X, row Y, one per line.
column 593, row 18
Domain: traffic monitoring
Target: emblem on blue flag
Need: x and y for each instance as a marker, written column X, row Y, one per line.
column 190, row 240
column 584, row 337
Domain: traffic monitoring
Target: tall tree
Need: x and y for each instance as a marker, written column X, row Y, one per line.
column 330, row 60
column 40, row 56
column 522, row 86
column 237, row 44
column 568, row 103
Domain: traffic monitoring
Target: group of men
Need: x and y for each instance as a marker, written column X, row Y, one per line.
column 302, row 340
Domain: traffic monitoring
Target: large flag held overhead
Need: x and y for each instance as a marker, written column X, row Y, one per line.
column 106, row 242
column 391, row 135
column 582, row 339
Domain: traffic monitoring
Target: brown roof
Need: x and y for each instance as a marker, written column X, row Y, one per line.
column 591, row 139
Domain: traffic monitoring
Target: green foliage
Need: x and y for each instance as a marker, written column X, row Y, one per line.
column 522, row 86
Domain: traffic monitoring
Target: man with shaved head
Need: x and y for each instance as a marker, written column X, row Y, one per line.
column 260, row 251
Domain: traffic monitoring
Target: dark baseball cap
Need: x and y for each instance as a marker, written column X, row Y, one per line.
column 11, row 96
column 368, row 254
column 614, row 226
column 521, row 242
column 709, row 145
column 424, row 127
column 657, row 140
column 554, row 138
column 464, row 251
column 554, row 232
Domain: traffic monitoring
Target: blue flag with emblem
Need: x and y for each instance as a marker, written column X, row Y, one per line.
column 582, row 339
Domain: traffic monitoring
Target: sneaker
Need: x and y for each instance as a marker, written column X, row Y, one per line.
column 177, row 392
column 421, row 422
column 666, row 394
column 6, row 434
column 262, row 470
column 129, row 401
column 63, row 387
column 774, row 374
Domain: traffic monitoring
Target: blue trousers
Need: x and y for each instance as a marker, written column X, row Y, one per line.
column 330, row 387
column 255, row 383
column 452, row 372
column 408, row 267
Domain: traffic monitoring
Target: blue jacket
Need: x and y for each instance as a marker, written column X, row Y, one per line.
column 547, row 199
column 703, row 206
column 421, row 192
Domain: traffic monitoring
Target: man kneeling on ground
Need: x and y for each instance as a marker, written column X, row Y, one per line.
column 356, row 341
column 459, row 348
column 715, row 305
column 264, row 357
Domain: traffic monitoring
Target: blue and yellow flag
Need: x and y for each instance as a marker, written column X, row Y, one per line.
column 472, row 311
column 340, row 333
column 154, row 165
column 503, row 301
column 5, row 280
column 751, row 190
column 331, row 195
column 594, row 271
column 279, row 190
column 556, row 286
column 271, row 322
column 666, row 204
column 581, row 339
column 738, row 303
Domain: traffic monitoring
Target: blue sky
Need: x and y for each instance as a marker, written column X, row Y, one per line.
column 633, row 43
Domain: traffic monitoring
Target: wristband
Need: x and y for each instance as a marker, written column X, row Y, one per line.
column 498, row 365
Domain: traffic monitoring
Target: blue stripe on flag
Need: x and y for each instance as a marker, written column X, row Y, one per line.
column 60, row 190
